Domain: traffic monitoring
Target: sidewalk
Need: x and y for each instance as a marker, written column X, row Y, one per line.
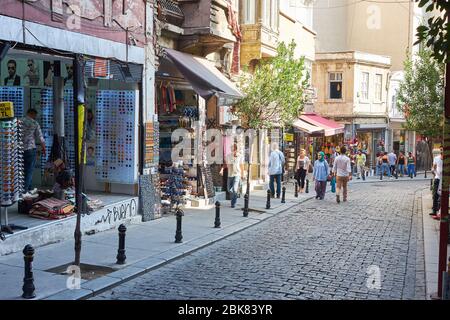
column 431, row 244
column 148, row 246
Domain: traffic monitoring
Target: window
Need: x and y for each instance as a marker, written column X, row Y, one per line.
column 266, row 12
column 249, row 11
column 365, row 86
column 335, row 85
column 378, row 87
column 274, row 14
column 270, row 13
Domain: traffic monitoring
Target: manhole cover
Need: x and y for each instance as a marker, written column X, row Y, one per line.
column 88, row 271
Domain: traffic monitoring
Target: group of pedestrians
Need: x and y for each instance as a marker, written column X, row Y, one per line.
column 393, row 166
column 341, row 171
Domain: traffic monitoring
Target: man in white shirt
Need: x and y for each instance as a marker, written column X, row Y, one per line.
column 235, row 165
column 276, row 164
column 437, row 170
column 343, row 171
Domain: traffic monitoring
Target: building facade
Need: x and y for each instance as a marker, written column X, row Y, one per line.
column 352, row 90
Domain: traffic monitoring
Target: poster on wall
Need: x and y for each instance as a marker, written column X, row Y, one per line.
column 29, row 72
column 21, row 72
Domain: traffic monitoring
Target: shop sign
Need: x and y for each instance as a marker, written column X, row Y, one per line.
column 289, row 137
column 6, row 110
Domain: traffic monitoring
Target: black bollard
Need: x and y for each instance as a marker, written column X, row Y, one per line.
column 121, row 257
column 28, row 281
column 425, row 174
column 217, row 221
column 245, row 212
column 269, row 194
column 283, row 195
column 307, row 186
column 178, row 234
column 296, row 190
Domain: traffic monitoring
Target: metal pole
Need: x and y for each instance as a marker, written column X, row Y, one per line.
column 443, row 229
column 296, row 190
column 28, row 281
column 268, row 199
column 283, row 195
column 217, row 220
column 178, row 234
column 121, row 257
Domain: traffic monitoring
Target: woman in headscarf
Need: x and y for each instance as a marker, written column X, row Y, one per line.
column 320, row 174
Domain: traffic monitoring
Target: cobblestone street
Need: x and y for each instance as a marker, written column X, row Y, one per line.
column 316, row 250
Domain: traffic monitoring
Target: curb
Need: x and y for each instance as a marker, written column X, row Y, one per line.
column 97, row 286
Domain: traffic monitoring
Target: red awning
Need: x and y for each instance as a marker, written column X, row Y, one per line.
column 329, row 126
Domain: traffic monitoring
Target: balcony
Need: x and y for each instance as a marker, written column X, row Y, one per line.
column 207, row 29
column 258, row 41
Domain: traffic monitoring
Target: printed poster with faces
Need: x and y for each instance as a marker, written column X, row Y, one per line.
column 21, row 72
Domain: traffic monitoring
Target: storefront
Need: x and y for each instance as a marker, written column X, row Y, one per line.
column 315, row 133
column 43, row 81
column 192, row 95
column 371, row 138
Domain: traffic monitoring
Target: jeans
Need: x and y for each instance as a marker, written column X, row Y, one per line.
column 401, row 169
column 233, row 188
column 271, row 184
column 411, row 169
column 301, row 175
column 385, row 167
column 378, row 170
column 361, row 172
column 436, row 197
column 29, row 161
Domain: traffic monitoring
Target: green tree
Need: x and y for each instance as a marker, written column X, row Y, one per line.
column 275, row 92
column 274, row 95
column 434, row 32
column 420, row 96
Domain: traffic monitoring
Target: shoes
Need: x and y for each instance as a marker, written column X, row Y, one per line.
column 317, row 197
column 345, row 200
column 278, row 196
column 338, row 200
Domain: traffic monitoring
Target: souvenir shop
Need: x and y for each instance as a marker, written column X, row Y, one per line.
column 315, row 133
column 371, row 140
column 186, row 88
column 42, row 80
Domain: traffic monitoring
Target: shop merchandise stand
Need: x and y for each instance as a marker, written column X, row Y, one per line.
column 11, row 166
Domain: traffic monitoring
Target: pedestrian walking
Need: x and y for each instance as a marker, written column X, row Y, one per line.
column 302, row 167
column 411, row 165
column 392, row 157
column 385, row 165
column 437, row 172
column 378, row 163
column 276, row 164
column 320, row 175
column 343, row 173
column 235, row 167
column 361, row 164
column 401, row 164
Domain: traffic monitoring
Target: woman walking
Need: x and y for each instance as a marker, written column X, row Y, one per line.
column 411, row 165
column 401, row 162
column 320, row 175
column 303, row 164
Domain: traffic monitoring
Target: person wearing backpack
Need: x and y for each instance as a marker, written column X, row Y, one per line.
column 276, row 165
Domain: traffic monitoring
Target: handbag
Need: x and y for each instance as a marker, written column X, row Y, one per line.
column 310, row 168
column 329, row 177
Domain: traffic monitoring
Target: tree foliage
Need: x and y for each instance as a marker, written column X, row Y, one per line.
column 434, row 33
column 275, row 92
column 420, row 96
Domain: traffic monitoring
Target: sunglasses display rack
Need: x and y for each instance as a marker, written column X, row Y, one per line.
column 47, row 124
column 16, row 96
column 116, row 135
column 174, row 188
column 11, row 168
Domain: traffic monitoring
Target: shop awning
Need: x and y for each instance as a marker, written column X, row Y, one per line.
column 307, row 127
column 329, row 126
column 204, row 77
